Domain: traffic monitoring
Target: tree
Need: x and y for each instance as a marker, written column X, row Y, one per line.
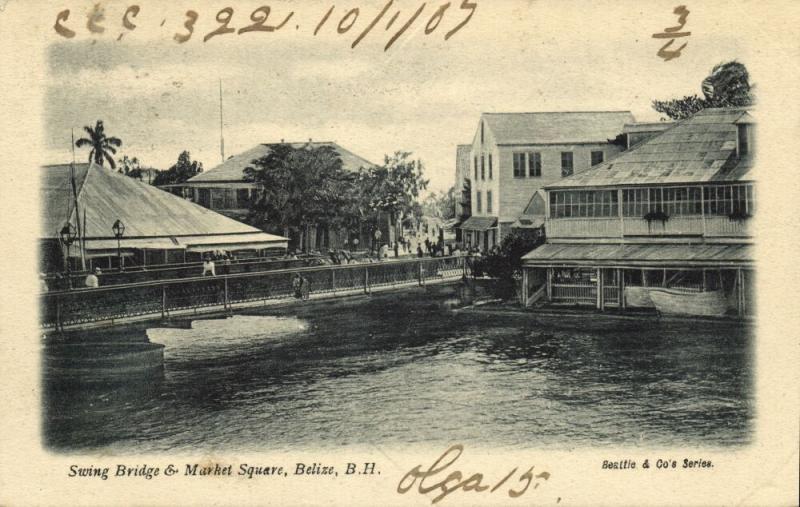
column 299, row 188
column 505, row 263
column 130, row 167
column 394, row 187
column 181, row 171
column 102, row 146
column 728, row 85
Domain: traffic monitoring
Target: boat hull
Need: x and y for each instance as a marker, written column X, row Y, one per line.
column 638, row 297
column 685, row 302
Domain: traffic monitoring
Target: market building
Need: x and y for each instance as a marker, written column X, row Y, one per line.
column 110, row 220
column 666, row 224
column 514, row 155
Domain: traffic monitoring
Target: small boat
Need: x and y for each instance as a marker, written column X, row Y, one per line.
column 638, row 297
column 689, row 302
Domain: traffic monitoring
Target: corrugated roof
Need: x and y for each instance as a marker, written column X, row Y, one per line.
column 556, row 127
column 630, row 128
column 479, row 223
column 701, row 148
column 233, row 168
column 145, row 210
column 644, row 254
column 56, row 194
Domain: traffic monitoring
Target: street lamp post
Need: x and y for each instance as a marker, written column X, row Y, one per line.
column 119, row 229
column 68, row 235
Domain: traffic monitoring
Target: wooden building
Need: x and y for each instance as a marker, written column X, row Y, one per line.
column 225, row 190
column 666, row 224
column 159, row 228
column 513, row 155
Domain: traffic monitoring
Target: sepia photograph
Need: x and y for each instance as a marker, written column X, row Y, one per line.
column 308, row 227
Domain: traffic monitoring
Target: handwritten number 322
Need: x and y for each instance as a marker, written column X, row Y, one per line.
column 224, row 16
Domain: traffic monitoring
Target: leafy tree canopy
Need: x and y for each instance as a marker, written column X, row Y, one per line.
column 299, row 187
column 181, row 171
column 728, row 85
column 393, row 187
column 102, row 146
column 441, row 204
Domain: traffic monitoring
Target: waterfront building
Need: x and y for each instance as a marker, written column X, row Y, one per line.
column 665, row 224
column 157, row 227
column 513, row 155
column 225, row 189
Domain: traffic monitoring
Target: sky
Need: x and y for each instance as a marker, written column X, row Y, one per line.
column 423, row 95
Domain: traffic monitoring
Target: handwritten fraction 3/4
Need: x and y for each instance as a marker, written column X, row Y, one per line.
column 340, row 20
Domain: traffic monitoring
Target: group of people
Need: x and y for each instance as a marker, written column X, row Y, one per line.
column 210, row 263
column 301, row 287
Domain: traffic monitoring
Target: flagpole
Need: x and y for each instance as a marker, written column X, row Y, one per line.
column 221, row 139
column 77, row 211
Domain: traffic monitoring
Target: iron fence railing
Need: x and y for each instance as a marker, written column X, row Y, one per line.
column 161, row 297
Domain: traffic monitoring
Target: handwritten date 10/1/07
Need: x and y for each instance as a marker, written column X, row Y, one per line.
column 340, row 20
column 434, row 480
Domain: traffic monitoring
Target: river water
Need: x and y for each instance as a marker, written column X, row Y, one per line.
column 399, row 369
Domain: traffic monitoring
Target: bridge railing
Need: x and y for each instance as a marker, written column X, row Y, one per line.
column 162, row 297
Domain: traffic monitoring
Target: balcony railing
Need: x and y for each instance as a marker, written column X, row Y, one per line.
column 583, row 228
column 715, row 226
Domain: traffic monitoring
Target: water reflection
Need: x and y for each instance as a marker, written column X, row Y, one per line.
column 356, row 372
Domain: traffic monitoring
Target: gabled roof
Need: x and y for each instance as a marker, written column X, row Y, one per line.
column 146, row 211
column 556, row 127
column 233, row 168
column 651, row 126
column 701, row 148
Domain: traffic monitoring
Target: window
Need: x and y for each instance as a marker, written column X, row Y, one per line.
column 489, row 201
column 478, row 201
column 476, row 168
column 674, row 201
column 481, row 133
column 597, row 157
column 566, row 163
column 584, row 203
column 519, row 165
column 243, row 198
column 204, row 197
column 490, row 166
column 217, row 198
column 534, row 164
column 230, row 198
column 483, row 167
column 729, row 199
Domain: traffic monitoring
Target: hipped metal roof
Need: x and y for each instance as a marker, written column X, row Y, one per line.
column 699, row 149
column 564, row 127
column 644, row 255
column 151, row 216
column 233, row 168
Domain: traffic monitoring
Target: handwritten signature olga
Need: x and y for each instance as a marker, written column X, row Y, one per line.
column 433, row 479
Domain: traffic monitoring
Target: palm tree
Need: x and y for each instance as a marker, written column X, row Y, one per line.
column 102, row 146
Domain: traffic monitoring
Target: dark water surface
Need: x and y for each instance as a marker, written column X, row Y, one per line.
column 397, row 369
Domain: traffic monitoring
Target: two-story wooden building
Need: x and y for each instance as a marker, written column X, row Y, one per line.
column 666, row 224
column 513, row 155
column 225, row 189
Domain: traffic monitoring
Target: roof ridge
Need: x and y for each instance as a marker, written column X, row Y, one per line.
column 560, row 112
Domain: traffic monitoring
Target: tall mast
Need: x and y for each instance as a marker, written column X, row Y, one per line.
column 81, row 239
column 221, row 139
